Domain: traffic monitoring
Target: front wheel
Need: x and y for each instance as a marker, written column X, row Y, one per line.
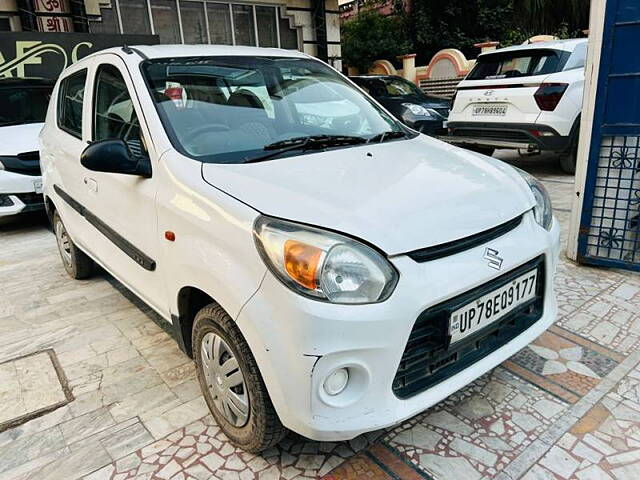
column 231, row 382
column 77, row 264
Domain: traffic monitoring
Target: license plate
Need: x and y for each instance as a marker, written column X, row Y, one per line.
column 490, row 110
column 444, row 124
column 491, row 307
column 37, row 186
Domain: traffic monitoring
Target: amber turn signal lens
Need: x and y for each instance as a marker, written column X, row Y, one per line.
column 301, row 262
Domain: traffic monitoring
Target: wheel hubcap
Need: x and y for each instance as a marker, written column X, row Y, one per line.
column 224, row 379
column 64, row 244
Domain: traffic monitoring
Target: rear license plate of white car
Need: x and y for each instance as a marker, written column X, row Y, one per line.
column 37, row 186
column 490, row 110
column 492, row 306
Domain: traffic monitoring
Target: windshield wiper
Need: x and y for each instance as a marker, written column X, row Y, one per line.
column 381, row 137
column 306, row 143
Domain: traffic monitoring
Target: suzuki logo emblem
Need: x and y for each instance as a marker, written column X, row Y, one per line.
column 488, row 93
column 491, row 255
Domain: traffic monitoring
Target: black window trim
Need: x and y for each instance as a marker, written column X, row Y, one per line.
column 60, row 100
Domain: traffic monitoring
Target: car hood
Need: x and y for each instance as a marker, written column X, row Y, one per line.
column 398, row 195
column 16, row 139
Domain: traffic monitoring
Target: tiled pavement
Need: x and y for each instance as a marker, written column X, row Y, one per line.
column 567, row 406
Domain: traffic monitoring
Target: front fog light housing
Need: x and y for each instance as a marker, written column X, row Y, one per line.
column 336, row 382
column 324, row 265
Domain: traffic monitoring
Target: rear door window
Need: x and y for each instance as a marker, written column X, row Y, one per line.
column 514, row 64
column 70, row 100
column 577, row 58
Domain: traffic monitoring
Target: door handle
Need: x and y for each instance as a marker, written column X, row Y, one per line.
column 91, row 184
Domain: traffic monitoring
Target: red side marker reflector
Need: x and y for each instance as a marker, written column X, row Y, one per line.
column 169, row 235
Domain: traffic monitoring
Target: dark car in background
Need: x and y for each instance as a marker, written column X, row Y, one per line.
column 409, row 104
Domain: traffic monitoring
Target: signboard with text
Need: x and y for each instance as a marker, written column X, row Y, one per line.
column 39, row 54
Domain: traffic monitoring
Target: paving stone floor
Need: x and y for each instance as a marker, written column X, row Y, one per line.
column 121, row 401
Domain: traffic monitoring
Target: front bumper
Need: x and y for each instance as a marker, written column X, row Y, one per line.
column 20, row 193
column 507, row 135
column 298, row 342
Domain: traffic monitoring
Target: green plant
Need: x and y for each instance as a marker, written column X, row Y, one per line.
column 371, row 36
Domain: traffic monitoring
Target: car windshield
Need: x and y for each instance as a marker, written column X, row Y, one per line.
column 228, row 109
column 517, row 63
column 19, row 105
column 392, row 87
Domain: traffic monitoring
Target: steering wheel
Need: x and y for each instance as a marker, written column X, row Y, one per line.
column 191, row 137
column 201, row 130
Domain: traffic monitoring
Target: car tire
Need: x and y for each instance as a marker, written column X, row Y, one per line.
column 77, row 264
column 488, row 151
column 250, row 420
column 568, row 160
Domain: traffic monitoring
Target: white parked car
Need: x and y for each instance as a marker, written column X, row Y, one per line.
column 23, row 106
column 330, row 277
column 526, row 97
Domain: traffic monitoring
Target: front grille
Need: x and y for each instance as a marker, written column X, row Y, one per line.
column 490, row 134
column 449, row 248
column 27, row 163
column 428, row 359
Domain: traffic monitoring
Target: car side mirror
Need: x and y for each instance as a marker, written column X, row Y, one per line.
column 113, row 156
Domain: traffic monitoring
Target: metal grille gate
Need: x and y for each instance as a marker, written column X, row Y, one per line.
column 610, row 223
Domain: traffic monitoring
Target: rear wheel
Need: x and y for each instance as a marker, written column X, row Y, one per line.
column 231, row 382
column 77, row 264
column 568, row 160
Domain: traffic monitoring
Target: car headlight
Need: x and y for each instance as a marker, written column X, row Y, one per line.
column 543, row 211
column 418, row 109
column 324, row 265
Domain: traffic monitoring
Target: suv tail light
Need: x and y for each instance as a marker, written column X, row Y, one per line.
column 548, row 95
column 453, row 98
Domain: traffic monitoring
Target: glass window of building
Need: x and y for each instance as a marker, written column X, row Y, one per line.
column 194, row 23
column 243, row 25
column 219, row 23
column 267, row 30
column 134, row 15
column 165, row 20
column 202, row 21
column 288, row 35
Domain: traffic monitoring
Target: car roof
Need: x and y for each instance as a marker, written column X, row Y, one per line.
column 26, row 82
column 173, row 51
column 567, row 45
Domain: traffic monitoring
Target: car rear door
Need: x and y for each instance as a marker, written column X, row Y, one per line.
column 64, row 137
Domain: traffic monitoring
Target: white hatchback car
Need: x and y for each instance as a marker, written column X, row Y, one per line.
column 526, row 97
column 23, row 106
column 330, row 275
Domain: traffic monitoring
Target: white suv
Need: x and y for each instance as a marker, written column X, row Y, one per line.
column 332, row 274
column 524, row 97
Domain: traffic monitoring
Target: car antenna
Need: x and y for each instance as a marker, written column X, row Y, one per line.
column 130, row 50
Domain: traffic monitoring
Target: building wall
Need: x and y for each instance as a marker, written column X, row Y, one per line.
column 299, row 17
